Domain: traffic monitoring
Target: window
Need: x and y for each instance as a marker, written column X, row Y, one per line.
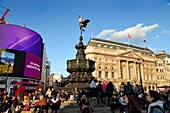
column 112, row 75
column 100, row 74
column 157, row 70
column 106, row 74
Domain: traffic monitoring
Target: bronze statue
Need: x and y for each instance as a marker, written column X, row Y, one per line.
column 83, row 24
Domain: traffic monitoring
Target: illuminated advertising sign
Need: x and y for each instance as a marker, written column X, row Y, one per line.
column 32, row 66
column 20, row 52
column 20, row 38
column 6, row 62
column 19, row 64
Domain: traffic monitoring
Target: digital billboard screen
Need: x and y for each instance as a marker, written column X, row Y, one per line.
column 32, row 66
column 19, row 64
column 6, row 62
column 20, row 38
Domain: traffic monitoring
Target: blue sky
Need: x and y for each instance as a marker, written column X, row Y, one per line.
column 57, row 22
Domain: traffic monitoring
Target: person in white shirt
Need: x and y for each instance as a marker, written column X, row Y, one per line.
column 93, row 89
column 122, row 105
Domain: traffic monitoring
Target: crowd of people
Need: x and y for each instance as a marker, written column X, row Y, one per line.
column 126, row 99
column 39, row 100
column 130, row 99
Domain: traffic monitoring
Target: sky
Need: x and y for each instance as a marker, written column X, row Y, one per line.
column 57, row 23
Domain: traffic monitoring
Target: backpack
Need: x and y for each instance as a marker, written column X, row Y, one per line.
column 158, row 109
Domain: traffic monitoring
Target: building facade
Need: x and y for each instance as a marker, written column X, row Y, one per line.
column 163, row 68
column 120, row 62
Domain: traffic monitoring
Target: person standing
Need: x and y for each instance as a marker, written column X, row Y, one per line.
column 128, row 88
column 93, row 89
column 100, row 93
column 109, row 90
column 104, row 84
column 155, row 106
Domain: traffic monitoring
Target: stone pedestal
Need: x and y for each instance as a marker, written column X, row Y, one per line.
column 84, row 86
column 80, row 68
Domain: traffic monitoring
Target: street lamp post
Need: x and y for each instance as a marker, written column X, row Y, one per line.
column 6, row 85
column 140, row 74
column 45, row 78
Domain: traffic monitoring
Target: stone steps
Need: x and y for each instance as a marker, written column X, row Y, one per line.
column 73, row 107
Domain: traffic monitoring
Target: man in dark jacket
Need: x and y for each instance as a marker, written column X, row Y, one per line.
column 109, row 91
column 100, row 93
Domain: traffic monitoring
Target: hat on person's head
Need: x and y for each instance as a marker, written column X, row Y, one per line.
column 83, row 95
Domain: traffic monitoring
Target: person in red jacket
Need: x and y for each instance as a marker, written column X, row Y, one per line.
column 41, row 104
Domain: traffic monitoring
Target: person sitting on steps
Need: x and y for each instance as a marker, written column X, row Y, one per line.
column 85, row 105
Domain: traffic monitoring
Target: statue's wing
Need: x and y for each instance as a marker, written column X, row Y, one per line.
column 85, row 22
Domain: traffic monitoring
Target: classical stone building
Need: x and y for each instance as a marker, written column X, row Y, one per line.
column 163, row 68
column 120, row 62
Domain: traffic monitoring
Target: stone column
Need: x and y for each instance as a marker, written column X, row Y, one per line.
column 119, row 71
column 142, row 71
column 127, row 66
column 135, row 76
column 103, row 74
column 109, row 75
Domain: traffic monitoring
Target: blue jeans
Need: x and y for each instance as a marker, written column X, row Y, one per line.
column 100, row 96
column 75, row 97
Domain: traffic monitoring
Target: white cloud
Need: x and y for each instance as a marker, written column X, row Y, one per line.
column 165, row 32
column 106, row 32
column 157, row 36
column 136, row 32
column 168, row 4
